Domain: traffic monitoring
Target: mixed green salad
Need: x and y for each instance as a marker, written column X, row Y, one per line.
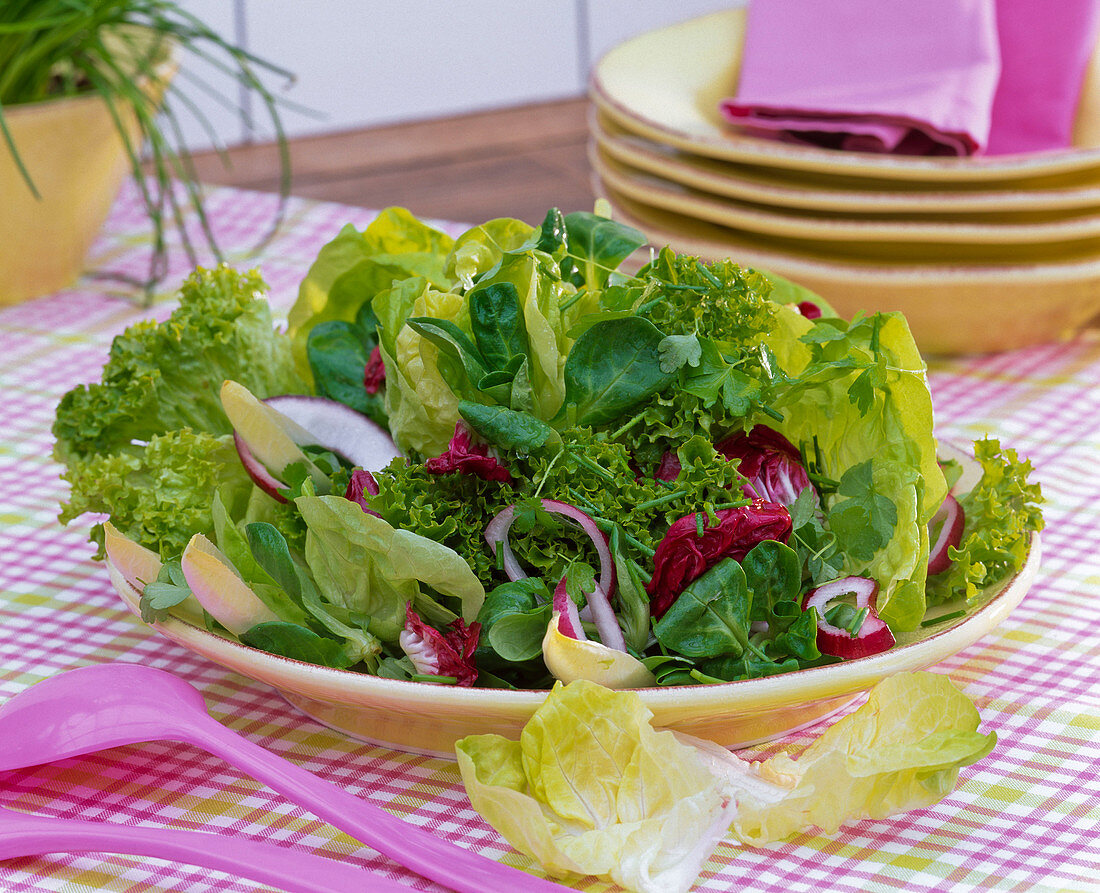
column 691, row 473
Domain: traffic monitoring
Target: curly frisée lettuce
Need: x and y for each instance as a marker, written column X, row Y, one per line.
column 149, row 443
column 591, row 788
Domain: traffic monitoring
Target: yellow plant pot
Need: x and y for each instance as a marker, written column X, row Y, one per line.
column 77, row 160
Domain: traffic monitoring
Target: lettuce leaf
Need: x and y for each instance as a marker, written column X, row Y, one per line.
column 861, row 397
column 481, row 248
column 592, row 788
column 160, row 494
column 901, row 750
column 421, row 405
column 164, row 376
column 1001, row 512
column 363, row 564
column 355, row 266
column 148, row 443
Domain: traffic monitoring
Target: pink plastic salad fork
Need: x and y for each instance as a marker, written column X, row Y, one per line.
column 108, row 705
column 22, row 834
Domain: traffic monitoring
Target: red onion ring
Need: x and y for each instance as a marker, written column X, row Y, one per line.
column 874, row 635
column 951, row 530
column 569, row 621
column 599, row 601
column 496, row 534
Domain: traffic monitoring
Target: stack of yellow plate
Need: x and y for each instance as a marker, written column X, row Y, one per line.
column 981, row 254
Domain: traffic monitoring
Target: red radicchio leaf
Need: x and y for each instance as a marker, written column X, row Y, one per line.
column 361, row 485
column 669, row 468
column 434, row 653
column 374, row 375
column 463, row 456
column 683, row 555
column 809, row 309
column 772, row 464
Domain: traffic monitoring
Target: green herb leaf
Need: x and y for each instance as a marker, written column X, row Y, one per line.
column 168, row 590
column 864, row 521
column 298, row 643
column 678, row 351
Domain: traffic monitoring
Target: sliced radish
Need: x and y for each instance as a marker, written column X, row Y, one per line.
column 874, row 635
column 951, row 520
column 318, row 421
column 496, row 535
column 261, row 477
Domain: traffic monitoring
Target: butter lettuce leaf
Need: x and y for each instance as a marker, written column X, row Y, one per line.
column 592, row 788
column 900, row 750
column 861, row 395
column 363, row 564
column 355, row 266
column 421, row 405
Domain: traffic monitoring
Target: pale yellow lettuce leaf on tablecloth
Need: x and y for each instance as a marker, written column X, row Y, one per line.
column 901, row 750
column 592, row 788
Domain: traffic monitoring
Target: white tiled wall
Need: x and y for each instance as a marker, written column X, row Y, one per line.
column 359, row 63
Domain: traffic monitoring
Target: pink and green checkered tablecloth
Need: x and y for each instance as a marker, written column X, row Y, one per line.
column 1027, row 818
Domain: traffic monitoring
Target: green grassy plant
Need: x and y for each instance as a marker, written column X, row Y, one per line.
column 122, row 50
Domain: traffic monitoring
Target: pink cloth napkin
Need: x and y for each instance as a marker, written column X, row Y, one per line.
column 1045, row 50
column 871, row 75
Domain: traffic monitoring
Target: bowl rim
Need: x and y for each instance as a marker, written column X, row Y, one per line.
column 833, row 680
